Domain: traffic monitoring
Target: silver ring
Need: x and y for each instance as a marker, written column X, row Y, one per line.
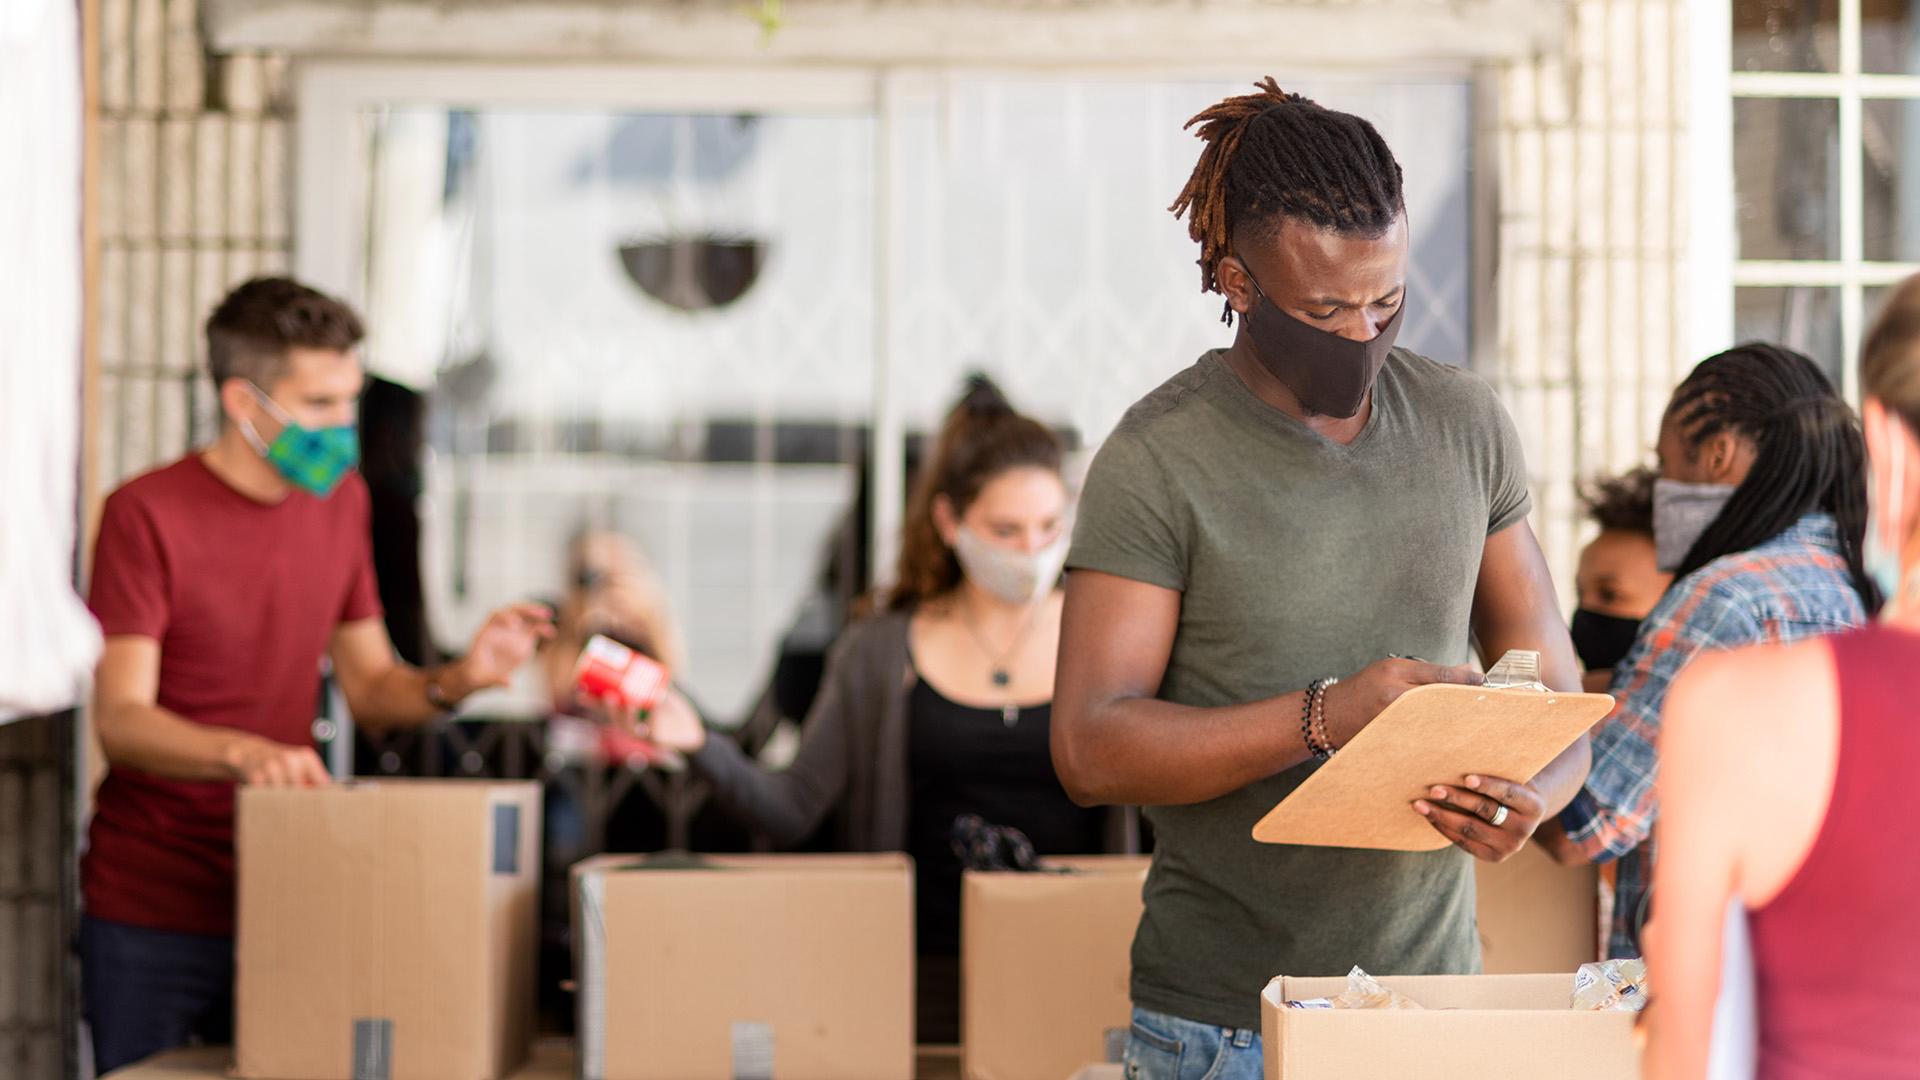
column 1499, row 817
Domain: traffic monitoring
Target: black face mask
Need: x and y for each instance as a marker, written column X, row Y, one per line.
column 1328, row 374
column 1603, row 640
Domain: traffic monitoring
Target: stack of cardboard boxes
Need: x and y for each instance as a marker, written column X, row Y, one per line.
column 387, row 933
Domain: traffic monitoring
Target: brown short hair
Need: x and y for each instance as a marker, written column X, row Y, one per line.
column 1890, row 361
column 249, row 334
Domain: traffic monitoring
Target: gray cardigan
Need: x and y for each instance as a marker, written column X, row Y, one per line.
column 853, row 753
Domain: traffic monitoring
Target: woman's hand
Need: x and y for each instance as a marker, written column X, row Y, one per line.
column 673, row 724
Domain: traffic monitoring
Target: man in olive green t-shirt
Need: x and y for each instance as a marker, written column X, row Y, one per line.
column 1308, row 504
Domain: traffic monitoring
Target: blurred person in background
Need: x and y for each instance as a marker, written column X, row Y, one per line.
column 612, row 591
column 1619, row 577
column 1759, row 513
column 937, row 706
column 221, row 581
column 1784, row 784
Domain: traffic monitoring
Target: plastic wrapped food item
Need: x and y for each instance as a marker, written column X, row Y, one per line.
column 1363, row 992
column 1613, row 986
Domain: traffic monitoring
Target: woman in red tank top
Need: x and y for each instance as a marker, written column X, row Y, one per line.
column 1788, row 783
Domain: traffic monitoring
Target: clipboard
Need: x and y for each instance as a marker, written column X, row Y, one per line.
column 1437, row 734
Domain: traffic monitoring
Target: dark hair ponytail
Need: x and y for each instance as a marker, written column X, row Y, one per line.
column 982, row 438
column 1809, row 456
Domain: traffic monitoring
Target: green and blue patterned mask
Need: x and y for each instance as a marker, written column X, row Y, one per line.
column 311, row 459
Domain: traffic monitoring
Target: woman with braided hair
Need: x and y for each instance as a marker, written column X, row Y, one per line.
column 1261, row 545
column 1824, row 866
column 1759, row 512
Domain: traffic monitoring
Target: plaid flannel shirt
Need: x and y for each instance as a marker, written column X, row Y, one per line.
column 1792, row 587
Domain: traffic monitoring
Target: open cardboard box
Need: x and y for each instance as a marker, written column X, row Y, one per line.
column 1472, row 1027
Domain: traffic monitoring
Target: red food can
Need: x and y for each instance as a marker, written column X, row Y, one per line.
column 609, row 671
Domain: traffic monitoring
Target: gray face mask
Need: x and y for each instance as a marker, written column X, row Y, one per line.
column 1015, row 577
column 1681, row 512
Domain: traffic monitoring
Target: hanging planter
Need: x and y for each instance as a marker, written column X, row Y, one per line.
column 694, row 273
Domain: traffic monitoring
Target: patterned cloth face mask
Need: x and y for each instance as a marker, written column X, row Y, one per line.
column 311, row 459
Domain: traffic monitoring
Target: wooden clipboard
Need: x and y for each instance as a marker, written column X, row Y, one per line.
column 1438, row 734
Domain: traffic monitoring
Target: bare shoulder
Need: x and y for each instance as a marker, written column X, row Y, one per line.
column 1756, row 690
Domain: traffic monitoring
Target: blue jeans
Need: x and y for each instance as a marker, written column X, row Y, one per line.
column 145, row 991
column 1162, row 1047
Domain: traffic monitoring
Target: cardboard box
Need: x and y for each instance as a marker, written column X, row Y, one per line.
column 1472, row 1027
column 387, row 931
column 794, row 967
column 1044, row 962
column 551, row 1059
column 1536, row 915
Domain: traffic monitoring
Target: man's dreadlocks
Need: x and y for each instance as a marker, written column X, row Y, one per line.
column 1273, row 154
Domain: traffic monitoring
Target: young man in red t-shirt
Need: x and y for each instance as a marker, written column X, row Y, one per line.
column 221, row 581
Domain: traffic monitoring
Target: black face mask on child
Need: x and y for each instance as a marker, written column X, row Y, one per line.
column 1603, row 640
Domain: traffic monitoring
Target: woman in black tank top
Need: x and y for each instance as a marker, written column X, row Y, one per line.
column 935, row 707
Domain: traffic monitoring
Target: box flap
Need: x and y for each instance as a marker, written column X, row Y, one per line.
column 887, row 862
column 684, row 862
column 1041, row 885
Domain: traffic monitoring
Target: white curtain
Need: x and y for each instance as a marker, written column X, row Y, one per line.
column 48, row 642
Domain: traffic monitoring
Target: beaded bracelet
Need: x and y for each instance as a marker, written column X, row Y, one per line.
column 1320, row 718
column 1306, row 717
column 1313, row 719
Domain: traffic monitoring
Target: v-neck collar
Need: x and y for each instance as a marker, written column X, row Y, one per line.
column 1250, row 405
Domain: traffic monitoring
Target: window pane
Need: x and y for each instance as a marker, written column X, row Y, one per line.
column 1890, row 37
column 1890, row 137
column 658, row 325
column 1785, row 171
column 1036, row 245
column 1806, row 318
column 1786, row 35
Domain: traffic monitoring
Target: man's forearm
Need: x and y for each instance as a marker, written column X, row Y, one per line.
column 1147, row 752
column 155, row 740
column 400, row 697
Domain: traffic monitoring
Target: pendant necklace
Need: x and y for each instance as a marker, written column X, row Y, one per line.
column 999, row 671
